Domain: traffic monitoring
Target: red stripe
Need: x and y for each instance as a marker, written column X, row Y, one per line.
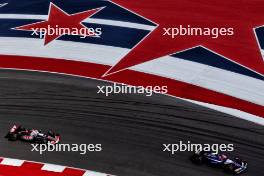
column 32, row 166
column 34, row 169
column 26, row 171
column 8, row 170
column 73, row 172
column 176, row 88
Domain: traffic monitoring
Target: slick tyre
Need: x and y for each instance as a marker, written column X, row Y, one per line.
column 229, row 168
column 12, row 137
column 45, row 141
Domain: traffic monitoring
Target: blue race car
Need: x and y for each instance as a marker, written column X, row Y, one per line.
column 236, row 166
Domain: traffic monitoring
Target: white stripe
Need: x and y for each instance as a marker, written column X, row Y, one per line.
column 262, row 53
column 231, row 111
column 68, row 50
column 53, row 168
column 233, row 84
column 120, row 24
column 212, row 78
column 12, row 162
column 89, row 20
column 92, row 173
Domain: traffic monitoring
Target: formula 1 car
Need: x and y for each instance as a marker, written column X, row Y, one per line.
column 32, row 135
column 236, row 166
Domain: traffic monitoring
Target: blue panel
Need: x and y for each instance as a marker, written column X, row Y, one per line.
column 41, row 7
column 203, row 56
column 260, row 36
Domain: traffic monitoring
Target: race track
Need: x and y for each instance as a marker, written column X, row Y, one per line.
column 131, row 128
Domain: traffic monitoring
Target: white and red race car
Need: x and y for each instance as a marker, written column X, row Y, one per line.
column 17, row 132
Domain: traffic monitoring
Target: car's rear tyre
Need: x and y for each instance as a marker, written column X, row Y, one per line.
column 229, row 168
column 12, row 137
column 45, row 141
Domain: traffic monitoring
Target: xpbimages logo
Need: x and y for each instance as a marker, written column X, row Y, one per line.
column 82, row 149
column 188, row 30
column 128, row 89
column 61, row 23
column 82, row 32
column 183, row 146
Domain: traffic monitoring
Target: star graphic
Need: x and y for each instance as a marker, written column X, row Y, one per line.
column 59, row 19
column 242, row 16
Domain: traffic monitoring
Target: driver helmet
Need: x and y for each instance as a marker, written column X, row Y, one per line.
column 34, row 132
column 223, row 157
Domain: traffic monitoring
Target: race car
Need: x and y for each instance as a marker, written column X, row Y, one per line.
column 18, row 132
column 236, row 166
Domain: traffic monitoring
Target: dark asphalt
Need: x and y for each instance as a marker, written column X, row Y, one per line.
column 131, row 128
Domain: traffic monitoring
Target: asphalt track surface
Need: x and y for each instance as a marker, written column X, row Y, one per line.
column 131, row 128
